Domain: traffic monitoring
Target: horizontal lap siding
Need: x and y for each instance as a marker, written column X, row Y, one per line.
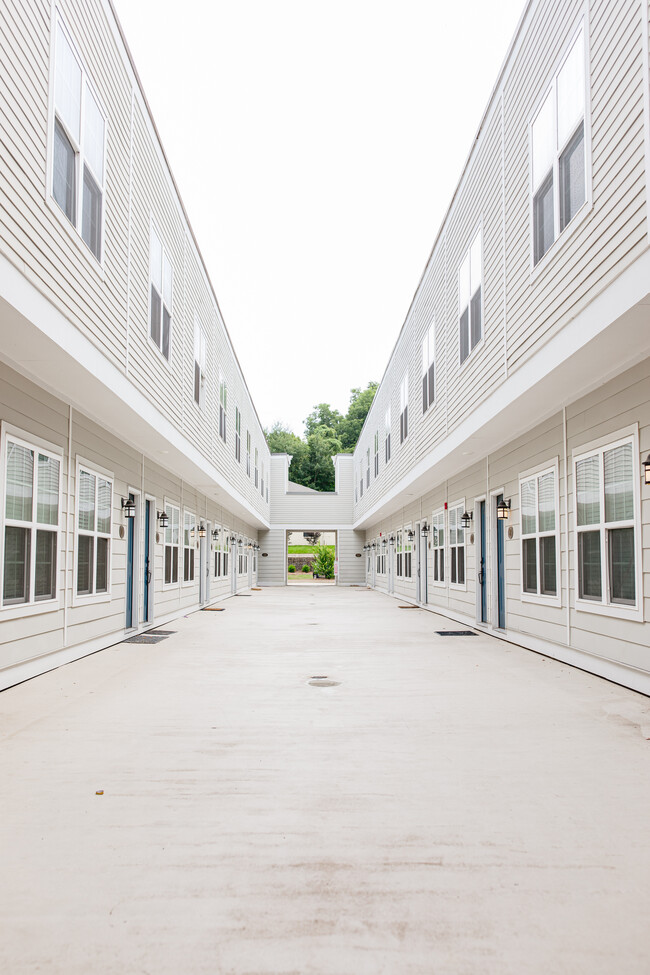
column 311, row 510
column 352, row 570
column 271, row 566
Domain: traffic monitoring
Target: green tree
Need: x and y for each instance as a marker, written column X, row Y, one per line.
column 350, row 425
column 323, row 564
column 322, row 416
column 322, row 444
column 282, row 441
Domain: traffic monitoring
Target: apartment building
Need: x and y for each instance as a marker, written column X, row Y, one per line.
column 506, row 457
column 130, row 451
column 502, row 477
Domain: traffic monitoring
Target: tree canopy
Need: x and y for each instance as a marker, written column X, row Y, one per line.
column 327, row 432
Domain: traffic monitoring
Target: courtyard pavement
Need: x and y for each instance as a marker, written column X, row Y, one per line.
column 449, row 806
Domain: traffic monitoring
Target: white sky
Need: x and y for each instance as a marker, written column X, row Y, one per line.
column 316, row 147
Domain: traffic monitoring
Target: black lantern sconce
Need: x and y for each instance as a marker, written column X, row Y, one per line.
column 128, row 507
column 424, row 529
column 391, row 540
column 232, row 539
column 163, row 519
column 410, row 534
column 646, row 468
column 503, row 509
column 240, row 542
column 202, row 530
column 215, row 534
column 466, row 519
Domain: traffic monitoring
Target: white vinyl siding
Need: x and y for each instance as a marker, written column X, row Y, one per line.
column 79, row 145
column 93, row 542
column 30, row 516
column 558, row 158
column 607, row 529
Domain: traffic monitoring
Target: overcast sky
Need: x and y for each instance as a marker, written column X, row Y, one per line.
column 316, row 148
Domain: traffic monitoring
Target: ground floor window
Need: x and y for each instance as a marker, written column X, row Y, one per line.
column 188, row 546
column 172, row 540
column 456, row 546
column 438, row 546
column 399, row 555
column 606, row 525
column 539, row 540
column 94, row 508
column 408, row 553
column 32, row 480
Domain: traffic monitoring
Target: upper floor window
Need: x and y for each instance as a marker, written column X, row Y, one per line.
column 257, row 471
column 387, row 434
column 428, row 369
column 404, row 409
column 78, row 157
column 237, row 435
column 262, row 480
column 223, row 407
column 248, row 453
column 160, row 312
column 199, row 364
column 360, row 479
column 558, row 151
column 368, row 467
column 539, row 526
column 377, row 453
column 606, row 525
column 32, row 478
column 470, row 291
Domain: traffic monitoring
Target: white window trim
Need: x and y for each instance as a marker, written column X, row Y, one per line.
column 169, row 503
column 19, row 610
column 191, row 547
column 430, row 333
column 535, row 269
column 436, row 582
column 528, row 597
column 404, row 387
column 79, row 599
column 411, row 549
column 168, row 362
column 457, row 586
column 478, row 229
column 399, row 539
column 74, row 233
column 617, row 610
column 388, row 434
column 222, row 437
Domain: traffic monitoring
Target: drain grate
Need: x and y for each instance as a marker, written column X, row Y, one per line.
column 145, row 638
column 456, row 633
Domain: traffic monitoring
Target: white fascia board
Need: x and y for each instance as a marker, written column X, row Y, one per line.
column 39, row 342
column 610, row 335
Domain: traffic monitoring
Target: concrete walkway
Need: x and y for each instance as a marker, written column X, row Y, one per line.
column 452, row 806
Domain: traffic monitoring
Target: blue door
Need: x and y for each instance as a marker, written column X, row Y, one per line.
column 147, row 566
column 501, row 570
column 130, row 540
column 482, row 578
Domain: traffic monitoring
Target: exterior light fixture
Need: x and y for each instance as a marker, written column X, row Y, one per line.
column 215, row 534
column 503, row 509
column 128, row 507
column 424, row 529
column 240, row 542
column 392, row 540
column 373, row 545
column 163, row 518
column 384, row 542
column 410, row 534
column 646, row 467
column 466, row 518
column 232, row 539
column 202, row 530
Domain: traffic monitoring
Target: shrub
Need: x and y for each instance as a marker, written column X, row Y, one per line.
column 306, row 568
column 292, row 568
column 323, row 564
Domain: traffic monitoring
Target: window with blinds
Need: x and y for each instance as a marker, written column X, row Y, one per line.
column 188, row 546
column 160, row 296
column 606, row 525
column 94, row 520
column 428, row 369
column 470, row 297
column 558, row 160
column 456, row 545
column 78, row 152
column 387, row 434
column 32, row 482
column 172, row 542
column 539, row 533
column 438, row 546
column 404, row 409
column 200, row 343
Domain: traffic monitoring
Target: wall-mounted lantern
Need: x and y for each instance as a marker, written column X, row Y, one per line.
column 646, row 468
column 503, row 509
column 410, row 534
column 232, row 539
column 424, row 529
column 466, row 518
column 215, row 534
column 391, row 540
column 128, row 507
column 163, row 519
column 202, row 530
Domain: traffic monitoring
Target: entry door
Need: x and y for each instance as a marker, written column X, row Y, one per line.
column 501, row 569
column 482, row 562
column 130, row 552
column 148, row 560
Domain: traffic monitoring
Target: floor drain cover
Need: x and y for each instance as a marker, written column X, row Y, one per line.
column 323, row 682
column 145, row 638
column 456, row 633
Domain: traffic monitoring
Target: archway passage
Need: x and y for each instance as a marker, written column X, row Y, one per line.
column 311, row 557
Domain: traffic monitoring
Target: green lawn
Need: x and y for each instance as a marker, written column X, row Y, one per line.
column 307, row 549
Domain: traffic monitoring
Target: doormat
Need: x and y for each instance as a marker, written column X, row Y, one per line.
column 160, row 632
column 213, row 609
column 145, row 638
column 410, row 606
column 456, row 633
column 242, row 594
